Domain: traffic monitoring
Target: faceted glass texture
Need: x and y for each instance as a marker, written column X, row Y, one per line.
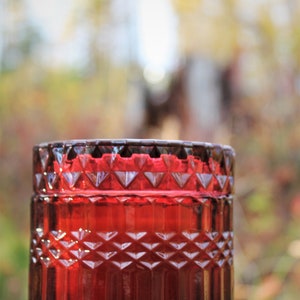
column 132, row 165
column 132, row 219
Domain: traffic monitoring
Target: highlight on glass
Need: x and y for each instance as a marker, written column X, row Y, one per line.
column 131, row 219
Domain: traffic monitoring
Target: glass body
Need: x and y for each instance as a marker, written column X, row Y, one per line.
column 131, row 219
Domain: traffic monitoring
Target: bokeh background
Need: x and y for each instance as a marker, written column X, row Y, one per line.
column 209, row 70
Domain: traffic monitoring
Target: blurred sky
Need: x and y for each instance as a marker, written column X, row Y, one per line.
column 51, row 17
column 144, row 29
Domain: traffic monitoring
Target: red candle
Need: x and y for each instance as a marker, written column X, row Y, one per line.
column 132, row 219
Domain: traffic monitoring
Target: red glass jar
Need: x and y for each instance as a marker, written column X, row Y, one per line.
column 131, row 219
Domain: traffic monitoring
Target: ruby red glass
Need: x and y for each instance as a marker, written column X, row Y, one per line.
column 131, row 219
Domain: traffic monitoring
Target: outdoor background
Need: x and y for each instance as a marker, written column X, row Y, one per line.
column 206, row 70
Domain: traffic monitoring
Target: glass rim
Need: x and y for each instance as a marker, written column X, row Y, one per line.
column 133, row 142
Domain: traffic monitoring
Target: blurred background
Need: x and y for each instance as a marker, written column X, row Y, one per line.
column 208, row 70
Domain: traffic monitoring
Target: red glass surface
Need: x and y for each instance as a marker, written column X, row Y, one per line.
column 132, row 220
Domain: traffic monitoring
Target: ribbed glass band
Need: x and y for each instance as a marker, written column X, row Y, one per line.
column 132, row 165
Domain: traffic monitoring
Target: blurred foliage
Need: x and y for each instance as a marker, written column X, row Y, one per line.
column 14, row 268
column 41, row 102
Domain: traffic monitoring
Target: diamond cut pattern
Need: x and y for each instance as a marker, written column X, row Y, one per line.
column 126, row 177
column 204, row 179
column 154, row 177
column 146, row 249
column 71, row 178
column 150, row 165
column 44, row 155
column 181, row 178
column 97, row 177
column 58, row 153
column 134, row 180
